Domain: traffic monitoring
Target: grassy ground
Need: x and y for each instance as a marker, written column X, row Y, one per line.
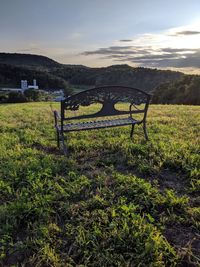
column 112, row 202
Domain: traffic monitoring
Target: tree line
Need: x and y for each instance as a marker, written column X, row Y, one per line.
column 167, row 87
column 11, row 76
column 184, row 91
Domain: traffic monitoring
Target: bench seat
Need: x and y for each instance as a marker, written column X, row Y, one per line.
column 79, row 126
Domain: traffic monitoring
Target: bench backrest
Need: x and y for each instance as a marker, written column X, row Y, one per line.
column 108, row 96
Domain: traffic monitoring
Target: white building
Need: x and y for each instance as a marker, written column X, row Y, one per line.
column 11, row 89
column 24, row 87
column 34, row 86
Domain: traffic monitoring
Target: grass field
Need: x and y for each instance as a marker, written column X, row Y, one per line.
column 112, row 202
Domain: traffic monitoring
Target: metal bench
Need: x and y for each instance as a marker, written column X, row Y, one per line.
column 108, row 97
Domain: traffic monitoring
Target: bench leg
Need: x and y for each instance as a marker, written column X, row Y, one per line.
column 58, row 138
column 63, row 144
column 132, row 130
column 145, row 131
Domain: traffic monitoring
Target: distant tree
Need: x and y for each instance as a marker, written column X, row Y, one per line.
column 10, row 76
column 67, row 91
column 16, row 97
column 32, row 95
column 3, row 98
column 185, row 91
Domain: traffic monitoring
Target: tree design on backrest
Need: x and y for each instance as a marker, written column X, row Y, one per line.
column 108, row 97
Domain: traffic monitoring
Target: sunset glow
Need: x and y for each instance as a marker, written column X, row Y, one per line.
column 101, row 33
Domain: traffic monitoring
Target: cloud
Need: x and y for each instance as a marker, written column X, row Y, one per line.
column 192, row 60
column 173, row 48
column 125, row 40
column 171, row 60
column 178, row 50
column 185, row 33
column 151, row 57
column 117, row 50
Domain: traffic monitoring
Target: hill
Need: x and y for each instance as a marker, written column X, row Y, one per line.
column 184, row 91
column 11, row 75
column 143, row 78
column 111, row 202
column 28, row 60
column 166, row 86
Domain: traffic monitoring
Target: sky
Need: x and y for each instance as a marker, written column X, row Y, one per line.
column 162, row 34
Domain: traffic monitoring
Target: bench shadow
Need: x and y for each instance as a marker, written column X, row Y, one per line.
column 47, row 149
column 94, row 162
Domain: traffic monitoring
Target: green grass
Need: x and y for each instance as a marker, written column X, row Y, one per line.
column 111, row 202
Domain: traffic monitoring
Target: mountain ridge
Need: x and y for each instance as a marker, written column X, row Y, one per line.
column 20, row 59
column 43, row 68
column 166, row 85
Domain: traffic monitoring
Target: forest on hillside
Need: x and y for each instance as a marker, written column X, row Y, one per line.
column 18, row 59
column 142, row 78
column 10, row 76
column 184, row 91
column 51, row 73
column 167, row 87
